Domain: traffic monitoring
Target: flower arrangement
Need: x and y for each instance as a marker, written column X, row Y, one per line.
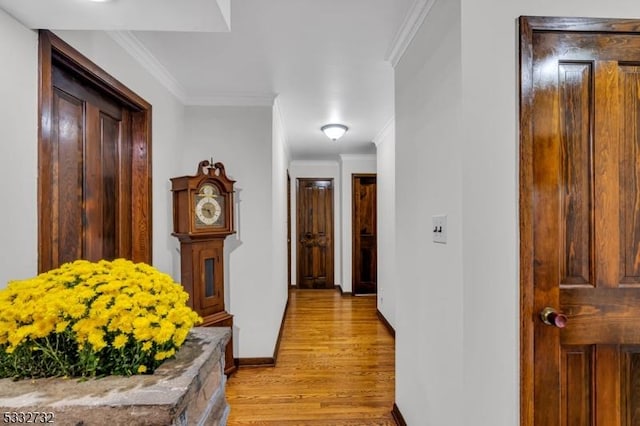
column 88, row 319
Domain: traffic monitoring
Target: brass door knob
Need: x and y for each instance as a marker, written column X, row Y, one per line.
column 553, row 318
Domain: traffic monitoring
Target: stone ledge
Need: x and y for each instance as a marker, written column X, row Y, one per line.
column 187, row 390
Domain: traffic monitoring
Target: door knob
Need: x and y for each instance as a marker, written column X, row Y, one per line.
column 554, row 318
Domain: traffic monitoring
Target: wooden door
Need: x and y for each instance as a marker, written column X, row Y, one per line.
column 94, row 163
column 288, row 229
column 315, row 233
column 580, row 221
column 365, row 235
column 89, row 131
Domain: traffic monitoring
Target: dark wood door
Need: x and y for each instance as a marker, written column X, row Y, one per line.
column 580, row 221
column 94, row 163
column 315, row 233
column 89, row 133
column 288, row 229
column 365, row 235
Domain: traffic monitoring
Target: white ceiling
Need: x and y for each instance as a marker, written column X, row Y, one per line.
column 144, row 15
column 324, row 60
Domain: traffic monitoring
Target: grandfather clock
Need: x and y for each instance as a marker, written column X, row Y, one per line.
column 202, row 219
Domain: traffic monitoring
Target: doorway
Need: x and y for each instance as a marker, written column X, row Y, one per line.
column 365, row 236
column 579, row 221
column 314, row 213
column 94, row 162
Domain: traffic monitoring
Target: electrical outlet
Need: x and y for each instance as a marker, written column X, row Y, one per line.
column 439, row 229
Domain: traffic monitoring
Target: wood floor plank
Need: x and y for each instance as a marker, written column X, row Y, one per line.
column 336, row 366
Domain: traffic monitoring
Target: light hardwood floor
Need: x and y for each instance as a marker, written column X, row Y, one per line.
column 335, row 367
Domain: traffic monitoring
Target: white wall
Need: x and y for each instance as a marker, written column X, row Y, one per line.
column 167, row 132
column 18, row 150
column 429, row 311
column 386, row 198
column 350, row 164
column 316, row 169
column 241, row 138
column 280, row 161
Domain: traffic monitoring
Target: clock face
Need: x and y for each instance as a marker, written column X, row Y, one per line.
column 208, row 210
column 209, row 207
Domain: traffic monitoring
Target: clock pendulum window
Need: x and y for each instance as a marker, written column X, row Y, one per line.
column 202, row 219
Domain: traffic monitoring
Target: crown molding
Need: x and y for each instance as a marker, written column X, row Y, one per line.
column 385, row 132
column 330, row 163
column 233, row 99
column 132, row 45
column 138, row 51
column 412, row 22
column 356, row 157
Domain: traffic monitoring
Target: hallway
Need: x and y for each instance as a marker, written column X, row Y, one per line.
column 335, row 367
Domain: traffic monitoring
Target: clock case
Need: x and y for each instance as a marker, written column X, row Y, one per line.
column 185, row 192
column 202, row 248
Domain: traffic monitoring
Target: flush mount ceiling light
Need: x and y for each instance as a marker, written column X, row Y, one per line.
column 334, row 131
column 99, row 1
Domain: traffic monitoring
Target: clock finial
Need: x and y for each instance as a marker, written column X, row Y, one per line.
column 205, row 166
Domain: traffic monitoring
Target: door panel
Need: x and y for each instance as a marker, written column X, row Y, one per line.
column 315, row 233
column 630, row 175
column 110, row 141
column 66, row 196
column 364, row 234
column 576, row 365
column 580, row 221
column 631, row 386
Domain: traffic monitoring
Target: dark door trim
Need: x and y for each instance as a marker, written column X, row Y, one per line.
column 52, row 48
column 526, row 224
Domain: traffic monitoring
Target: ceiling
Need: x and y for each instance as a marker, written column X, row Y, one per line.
column 323, row 61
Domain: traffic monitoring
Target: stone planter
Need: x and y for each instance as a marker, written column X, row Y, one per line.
column 187, row 390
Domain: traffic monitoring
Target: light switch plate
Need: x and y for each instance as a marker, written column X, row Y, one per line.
column 439, row 229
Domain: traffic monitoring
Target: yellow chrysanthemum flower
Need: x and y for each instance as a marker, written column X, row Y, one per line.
column 165, row 332
column 120, row 340
column 61, row 326
column 99, row 302
column 164, row 354
column 96, row 339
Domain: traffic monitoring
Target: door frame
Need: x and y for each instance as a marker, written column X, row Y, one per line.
column 51, row 46
column 527, row 27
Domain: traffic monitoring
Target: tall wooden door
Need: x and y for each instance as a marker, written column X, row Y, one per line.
column 315, row 233
column 94, row 177
column 288, row 229
column 89, row 133
column 580, row 222
column 365, row 235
